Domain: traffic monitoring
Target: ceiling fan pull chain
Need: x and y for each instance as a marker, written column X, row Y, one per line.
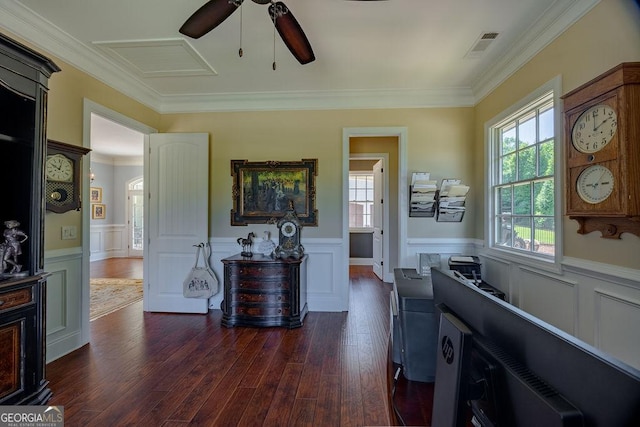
column 240, row 51
column 274, row 43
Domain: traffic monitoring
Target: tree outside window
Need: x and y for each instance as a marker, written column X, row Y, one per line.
column 524, row 179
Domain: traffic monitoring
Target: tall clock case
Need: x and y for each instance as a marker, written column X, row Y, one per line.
column 617, row 92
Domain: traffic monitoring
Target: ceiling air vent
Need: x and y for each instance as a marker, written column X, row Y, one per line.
column 481, row 44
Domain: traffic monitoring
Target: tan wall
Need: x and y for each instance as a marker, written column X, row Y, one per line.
column 440, row 141
column 608, row 35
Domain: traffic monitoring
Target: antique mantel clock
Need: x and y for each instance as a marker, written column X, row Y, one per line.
column 62, row 176
column 602, row 133
column 289, row 235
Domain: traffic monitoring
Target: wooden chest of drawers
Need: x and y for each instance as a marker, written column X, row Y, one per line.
column 263, row 291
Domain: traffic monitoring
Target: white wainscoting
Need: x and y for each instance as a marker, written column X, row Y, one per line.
column 64, row 301
column 108, row 241
column 597, row 303
column 326, row 289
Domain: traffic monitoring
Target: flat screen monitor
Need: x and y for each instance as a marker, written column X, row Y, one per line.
column 521, row 371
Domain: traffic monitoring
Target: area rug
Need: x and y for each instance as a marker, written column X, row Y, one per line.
column 109, row 295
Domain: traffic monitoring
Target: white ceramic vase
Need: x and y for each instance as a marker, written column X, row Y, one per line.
column 266, row 246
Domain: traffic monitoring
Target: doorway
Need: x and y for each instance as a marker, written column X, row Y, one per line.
column 116, row 161
column 401, row 198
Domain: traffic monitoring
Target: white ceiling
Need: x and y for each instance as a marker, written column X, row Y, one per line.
column 369, row 54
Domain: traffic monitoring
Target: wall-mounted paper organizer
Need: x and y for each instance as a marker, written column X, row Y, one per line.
column 423, row 195
column 451, row 201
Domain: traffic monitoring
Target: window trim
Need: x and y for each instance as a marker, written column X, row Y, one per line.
column 491, row 175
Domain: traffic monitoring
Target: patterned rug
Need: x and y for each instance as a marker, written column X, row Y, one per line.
column 109, row 295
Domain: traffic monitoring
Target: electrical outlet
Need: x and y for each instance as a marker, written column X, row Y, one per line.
column 69, row 232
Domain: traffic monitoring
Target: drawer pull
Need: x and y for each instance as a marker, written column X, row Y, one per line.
column 1, row 302
column 279, row 298
column 241, row 284
column 279, row 311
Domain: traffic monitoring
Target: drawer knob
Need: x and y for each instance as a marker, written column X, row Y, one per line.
column 279, row 311
column 241, row 284
column 1, row 302
column 279, row 298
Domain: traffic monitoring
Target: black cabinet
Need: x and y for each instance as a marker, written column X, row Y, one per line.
column 24, row 77
column 264, row 291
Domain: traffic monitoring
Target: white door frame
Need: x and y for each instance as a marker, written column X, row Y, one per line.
column 88, row 108
column 403, row 210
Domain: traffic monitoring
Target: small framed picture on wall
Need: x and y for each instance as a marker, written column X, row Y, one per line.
column 96, row 194
column 98, row 211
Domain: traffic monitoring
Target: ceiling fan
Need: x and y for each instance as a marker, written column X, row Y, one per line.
column 214, row 12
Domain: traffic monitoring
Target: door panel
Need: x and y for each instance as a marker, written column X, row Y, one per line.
column 178, row 218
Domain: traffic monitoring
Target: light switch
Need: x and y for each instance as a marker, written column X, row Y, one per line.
column 69, row 232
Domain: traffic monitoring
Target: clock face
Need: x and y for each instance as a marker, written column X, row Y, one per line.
column 595, row 184
column 59, row 168
column 288, row 229
column 594, row 129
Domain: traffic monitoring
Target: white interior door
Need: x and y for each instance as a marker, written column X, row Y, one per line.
column 177, row 178
column 378, row 191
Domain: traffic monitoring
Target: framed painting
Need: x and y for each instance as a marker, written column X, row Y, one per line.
column 261, row 191
column 98, row 211
column 96, row 194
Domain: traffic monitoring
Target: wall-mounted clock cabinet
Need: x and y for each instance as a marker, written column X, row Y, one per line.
column 62, row 176
column 602, row 134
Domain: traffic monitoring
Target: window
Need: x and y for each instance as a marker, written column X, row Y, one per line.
column 523, row 203
column 360, row 199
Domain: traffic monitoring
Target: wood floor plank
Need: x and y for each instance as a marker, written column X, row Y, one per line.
column 263, row 397
column 284, row 398
column 328, row 404
column 303, row 413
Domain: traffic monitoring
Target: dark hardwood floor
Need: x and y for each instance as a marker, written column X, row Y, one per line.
column 157, row 369
column 121, row 268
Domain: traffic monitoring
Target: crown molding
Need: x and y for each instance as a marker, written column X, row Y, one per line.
column 318, row 100
column 22, row 22
column 552, row 24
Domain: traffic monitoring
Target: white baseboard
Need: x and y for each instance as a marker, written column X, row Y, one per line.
column 360, row 261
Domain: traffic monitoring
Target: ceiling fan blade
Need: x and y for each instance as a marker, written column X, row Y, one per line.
column 291, row 32
column 209, row 16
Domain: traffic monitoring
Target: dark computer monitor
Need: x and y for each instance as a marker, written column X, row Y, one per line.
column 521, row 371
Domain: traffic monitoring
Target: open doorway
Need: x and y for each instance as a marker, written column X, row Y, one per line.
column 112, row 241
column 398, row 194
